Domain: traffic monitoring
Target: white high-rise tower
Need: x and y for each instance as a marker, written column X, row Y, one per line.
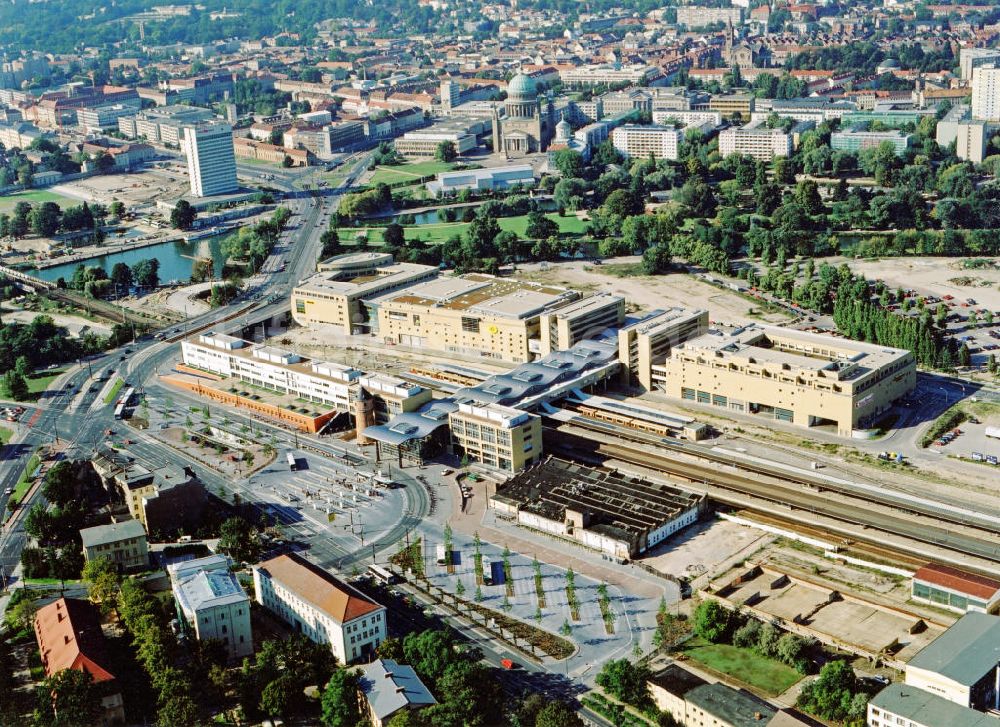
column 210, row 158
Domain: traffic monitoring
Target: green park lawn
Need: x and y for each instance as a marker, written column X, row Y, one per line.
column 40, row 380
column 5, row 435
column 27, row 477
column 34, row 197
column 439, row 232
column 767, row 675
column 407, row 172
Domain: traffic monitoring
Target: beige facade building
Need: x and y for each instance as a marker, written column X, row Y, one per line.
column 648, row 341
column 498, row 436
column 729, row 104
column 803, row 378
column 333, row 295
column 586, row 318
column 124, row 544
column 476, row 315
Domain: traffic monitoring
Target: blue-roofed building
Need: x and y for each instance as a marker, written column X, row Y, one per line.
column 211, row 603
column 390, row 687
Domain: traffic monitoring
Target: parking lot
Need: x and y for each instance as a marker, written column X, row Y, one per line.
column 970, row 441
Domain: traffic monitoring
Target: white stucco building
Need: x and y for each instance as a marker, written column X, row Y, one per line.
column 320, row 606
column 212, row 604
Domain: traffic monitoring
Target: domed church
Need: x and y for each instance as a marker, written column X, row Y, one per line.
column 527, row 124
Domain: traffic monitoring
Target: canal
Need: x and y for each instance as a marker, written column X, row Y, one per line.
column 176, row 260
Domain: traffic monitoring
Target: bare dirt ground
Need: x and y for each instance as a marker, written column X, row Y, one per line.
column 647, row 293
column 938, row 276
column 135, row 189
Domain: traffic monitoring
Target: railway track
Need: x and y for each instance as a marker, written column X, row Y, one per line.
column 733, row 488
column 887, row 498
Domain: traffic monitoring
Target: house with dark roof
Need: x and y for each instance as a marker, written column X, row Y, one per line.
column 320, row 606
column 389, row 687
column 69, row 636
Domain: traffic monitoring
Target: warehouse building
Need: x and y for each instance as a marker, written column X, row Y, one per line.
column 616, row 514
column 954, row 589
column 793, row 376
column 952, row 681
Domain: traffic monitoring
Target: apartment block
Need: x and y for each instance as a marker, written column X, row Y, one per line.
column 320, row 606
column 167, row 499
column 971, row 58
column 608, row 74
column 162, row 125
column 211, row 159
column 793, row 376
column 986, row 93
column 211, row 603
column 649, row 340
column 694, row 16
column 99, row 118
column 497, row 436
column 124, row 544
column 334, row 295
column 756, row 140
column 669, row 117
column 661, row 142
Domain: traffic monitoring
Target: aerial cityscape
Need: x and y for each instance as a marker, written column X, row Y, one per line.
column 434, row 363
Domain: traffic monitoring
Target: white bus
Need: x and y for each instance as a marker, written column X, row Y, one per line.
column 487, row 572
column 292, row 464
column 383, row 575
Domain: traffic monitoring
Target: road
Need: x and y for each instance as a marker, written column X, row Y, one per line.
column 73, row 410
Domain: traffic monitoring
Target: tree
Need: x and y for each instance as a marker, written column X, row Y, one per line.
column 540, row 227
column 21, row 615
column 656, row 260
column 393, row 235
column 625, row 681
column 15, row 386
column 146, row 273
column 178, row 710
column 557, row 714
column 105, row 163
column 831, row 694
column 121, row 276
column 75, row 698
column 429, row 652
column 711, row 621
column 104, row 580
column 569, row 163
column 279, row 696
column 202, row 270
column 445, row 152
column 60, row 483
column 340, row 705
column 45, row 219
column 330, row 241
column 182, row 215
column 287, row 162
column 116, row 209
column 238, row 539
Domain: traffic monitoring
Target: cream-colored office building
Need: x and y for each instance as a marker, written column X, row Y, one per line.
column 803, row 378
column 561, row 329
column 498, row 436
column 648, row 341
column 333, row 295
column 473, row 315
